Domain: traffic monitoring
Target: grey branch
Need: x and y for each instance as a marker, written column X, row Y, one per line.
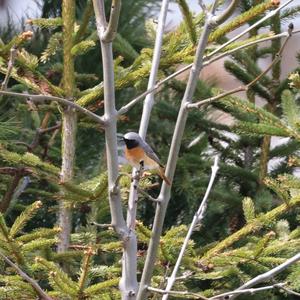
column 198, row 217
column 107, row 31
column 44, row 98
column 207, row 62
column 226, row 13
column 111, row 30
column 177, row 293
column 31, row 281
column 141, row 191
column 289, row 291
column 165, row 192
column 268, row 275
column 248, row 291
column 247, row 86
column 128, row 284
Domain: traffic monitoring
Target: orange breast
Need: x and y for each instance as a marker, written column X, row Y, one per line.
column 135, row 155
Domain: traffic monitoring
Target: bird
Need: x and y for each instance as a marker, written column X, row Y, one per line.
column 137, row 151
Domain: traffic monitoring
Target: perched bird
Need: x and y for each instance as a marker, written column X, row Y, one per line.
column 138, row 150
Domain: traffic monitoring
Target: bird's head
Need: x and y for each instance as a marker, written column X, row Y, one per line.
column 132, row 140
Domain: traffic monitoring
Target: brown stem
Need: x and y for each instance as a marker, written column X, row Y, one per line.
column 69, row 123
column 18, row 174
column 31, row 281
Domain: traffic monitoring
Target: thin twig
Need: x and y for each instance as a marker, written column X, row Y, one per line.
column 247, row 291
column 289, row 291
column 101, row 225
column 247, row 86
column 10, row 65
column 31, row 281
column 43, row 98
column 176, row 293
column 141, row 191
column 198, row 217
column 268, row 275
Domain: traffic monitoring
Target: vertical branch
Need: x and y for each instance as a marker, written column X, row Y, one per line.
column 128, row 283
column 165, row 192
column 196, row 220
column 148, row 104
column 69, row 122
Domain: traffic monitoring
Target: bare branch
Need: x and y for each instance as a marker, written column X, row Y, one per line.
column 31, row 281
column 289, row 291
column 111, row 29
column 176, row 293
column 165, row 192
column 44, row 98
column 268, row 275
column 248, row 29
column 12, row 58
column 141, row 191
column 156, row 87
column 101, row 225
column 227, row 12
column 247, row 291
column 246, row 87
column 128, row 284
column 199, row 215
column 107, row 31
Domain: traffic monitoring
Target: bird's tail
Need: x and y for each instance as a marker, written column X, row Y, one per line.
column 163, row 176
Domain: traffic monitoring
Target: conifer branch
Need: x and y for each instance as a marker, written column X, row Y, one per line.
column 197, row 219
column 69, row 124
column 11, row 62
column 229, row 295
column 252, row 227
column 88, row 13
column 84, row 269
column 177, row 293
column 68, row 103
column 268, row 275
column 31, row 281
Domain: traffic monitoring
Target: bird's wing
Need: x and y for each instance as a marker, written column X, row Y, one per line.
column 150, row 153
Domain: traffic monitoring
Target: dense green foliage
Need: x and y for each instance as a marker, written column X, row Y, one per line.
column 252, row 221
